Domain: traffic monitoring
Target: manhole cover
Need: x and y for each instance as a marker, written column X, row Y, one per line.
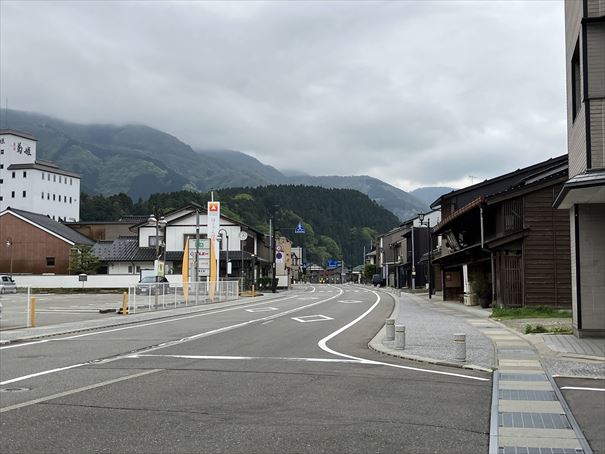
column 14, row 390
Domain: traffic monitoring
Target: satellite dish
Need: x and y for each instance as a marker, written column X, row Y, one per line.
column 243, row 236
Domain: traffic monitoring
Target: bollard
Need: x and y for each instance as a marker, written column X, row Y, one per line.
column 460, row 344
column 399, row 337
column 32, row 312
column 389, row 329
column 125, row 304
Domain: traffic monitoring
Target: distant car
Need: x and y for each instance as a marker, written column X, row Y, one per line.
column 153, row 285
column 378, row 281
column 7, row 284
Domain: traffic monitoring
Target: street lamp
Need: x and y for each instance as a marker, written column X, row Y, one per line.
column 160, row 224
column 9, row 245
column 428, row 224
column 227, row 252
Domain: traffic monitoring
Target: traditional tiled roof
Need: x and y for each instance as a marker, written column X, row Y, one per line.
column 55, row 227
column 465, row 209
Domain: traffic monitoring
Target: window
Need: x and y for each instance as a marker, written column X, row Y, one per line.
column 50, row 261
column 13, row 194
column 153, row 240
column 14, row 175
column 138, row 269
column 1, row 151
column 1, row 166
column 70, row 201
column 576, row 79
column 54, row 197
column 42, row 194
column 43, row 175
column 1, row 198
column 48, row 196
column 24, row 193
column 24, row 174
column 70, row 181
column 129, row 269
column 54, row 177
column 59, row 178
column 1, row 181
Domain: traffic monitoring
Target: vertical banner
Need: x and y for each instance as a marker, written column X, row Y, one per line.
column 186, row 271
column 214, row 225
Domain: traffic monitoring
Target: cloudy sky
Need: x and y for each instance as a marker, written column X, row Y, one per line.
column 414, row 93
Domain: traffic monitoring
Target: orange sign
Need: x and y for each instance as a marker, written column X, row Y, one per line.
column 214, row 206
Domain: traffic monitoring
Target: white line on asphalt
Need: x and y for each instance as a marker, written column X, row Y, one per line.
column 281, row 358
column 74, row 391
column 324, row 347
column 312, row 318
column 580, row 388
column 171, row 343
column 267, row 322
column 24, row 345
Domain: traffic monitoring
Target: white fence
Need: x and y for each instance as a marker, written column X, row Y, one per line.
column 93, row 280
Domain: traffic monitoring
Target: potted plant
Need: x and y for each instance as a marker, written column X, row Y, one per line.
column 481, row 287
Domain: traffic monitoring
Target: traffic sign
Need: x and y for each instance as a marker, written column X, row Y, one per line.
column 300, row 228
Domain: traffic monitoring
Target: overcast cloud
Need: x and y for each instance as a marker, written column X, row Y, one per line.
column 414, row 93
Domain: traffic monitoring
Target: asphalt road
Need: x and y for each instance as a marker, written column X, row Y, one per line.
column 287, row 375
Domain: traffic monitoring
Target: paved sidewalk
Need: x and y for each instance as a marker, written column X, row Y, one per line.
column 529, row 412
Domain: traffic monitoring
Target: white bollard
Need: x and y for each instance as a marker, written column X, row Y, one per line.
column 460, row 344
column 399, row 337
column 389, row 329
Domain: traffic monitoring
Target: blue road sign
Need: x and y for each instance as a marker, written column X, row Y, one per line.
column 299, row 228
column 333, row 263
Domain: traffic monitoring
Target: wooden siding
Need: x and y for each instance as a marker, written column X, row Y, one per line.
column 595, row 46
column 597, row 132
column 30, row 248
column 546, row 251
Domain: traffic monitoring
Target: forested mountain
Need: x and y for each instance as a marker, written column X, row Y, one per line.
column 338, row 222
column 404, row 205
column 430, row 193
column 138, row 160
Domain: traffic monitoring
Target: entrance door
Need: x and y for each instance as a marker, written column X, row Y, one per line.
column 511, row 279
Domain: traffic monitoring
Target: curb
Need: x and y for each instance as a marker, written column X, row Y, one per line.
column 377, row 346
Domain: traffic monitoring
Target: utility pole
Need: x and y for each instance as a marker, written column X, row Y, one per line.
column 272, row 248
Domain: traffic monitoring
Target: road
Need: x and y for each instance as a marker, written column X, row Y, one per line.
column 288, row 375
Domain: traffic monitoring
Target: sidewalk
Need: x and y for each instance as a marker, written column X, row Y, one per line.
column 27, row 334
column 431, row 325
column 529, row 413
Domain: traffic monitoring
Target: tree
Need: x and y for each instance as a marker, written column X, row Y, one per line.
column 82, row 260
column 369, row 270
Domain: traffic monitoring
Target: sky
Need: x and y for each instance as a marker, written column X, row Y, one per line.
column 416, row 94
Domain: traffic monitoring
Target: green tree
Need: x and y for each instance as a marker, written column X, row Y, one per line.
column 369, row 270
column 82, row 260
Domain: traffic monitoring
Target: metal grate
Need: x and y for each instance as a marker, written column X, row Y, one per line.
column 518, row 394
column 522, row 420
column 522, row 377
column 524, row 450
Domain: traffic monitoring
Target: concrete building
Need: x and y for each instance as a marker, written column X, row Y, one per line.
column 584, row 192
column 29, row 184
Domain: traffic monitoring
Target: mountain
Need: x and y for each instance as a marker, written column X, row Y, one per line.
column 138, row 160
column 429, row 194
column 404, row 205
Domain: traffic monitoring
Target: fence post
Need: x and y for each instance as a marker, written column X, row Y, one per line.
column 125, row 304
column 32, row 312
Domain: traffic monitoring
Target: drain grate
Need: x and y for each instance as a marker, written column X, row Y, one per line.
column 522, row 377
column 524, row 450
column 517, row 351
column 522, row 420
column 521, row 394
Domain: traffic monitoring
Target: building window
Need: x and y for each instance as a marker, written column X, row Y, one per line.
column 14, row 175
column 42, row 194
column 1, row 181
column 54, row 177
column 43, row 175
column 1, row 166
column 50, row 261
column 138, row 269
column 1, row 151
column 24, row 174
column 129, row 269
column 24, row 193
column 70, row 201
column 576, row 80
column 59, row 178
column 54, row 197
column 70, row 181
column 1, row 198
column 153, row 240
column 48, row 196
column 13, row 194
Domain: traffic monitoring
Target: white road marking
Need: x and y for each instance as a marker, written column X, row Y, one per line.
column 262, row 309
column 324, row 347
column 350, row 301
column 74, row 391
column 580, row 388
column 267, row 322
column 25, row 345
column 171, row 343
column 280, row 358
column 309, row 298
column 312, row 318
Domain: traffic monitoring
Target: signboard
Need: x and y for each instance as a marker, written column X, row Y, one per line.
column 203, row 256
column 333, row 263
column 214, row 219
column 299, row 228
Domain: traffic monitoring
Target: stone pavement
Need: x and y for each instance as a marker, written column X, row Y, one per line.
column 529, row 413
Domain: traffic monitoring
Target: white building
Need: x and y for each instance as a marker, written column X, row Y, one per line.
column 34, row 185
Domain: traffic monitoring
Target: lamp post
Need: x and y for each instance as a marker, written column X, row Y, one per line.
column 159, row 224
column 428, row 224
column 9, row 245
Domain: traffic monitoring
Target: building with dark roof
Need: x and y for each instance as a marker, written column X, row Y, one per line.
column 34, row 185
column 36, row 244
